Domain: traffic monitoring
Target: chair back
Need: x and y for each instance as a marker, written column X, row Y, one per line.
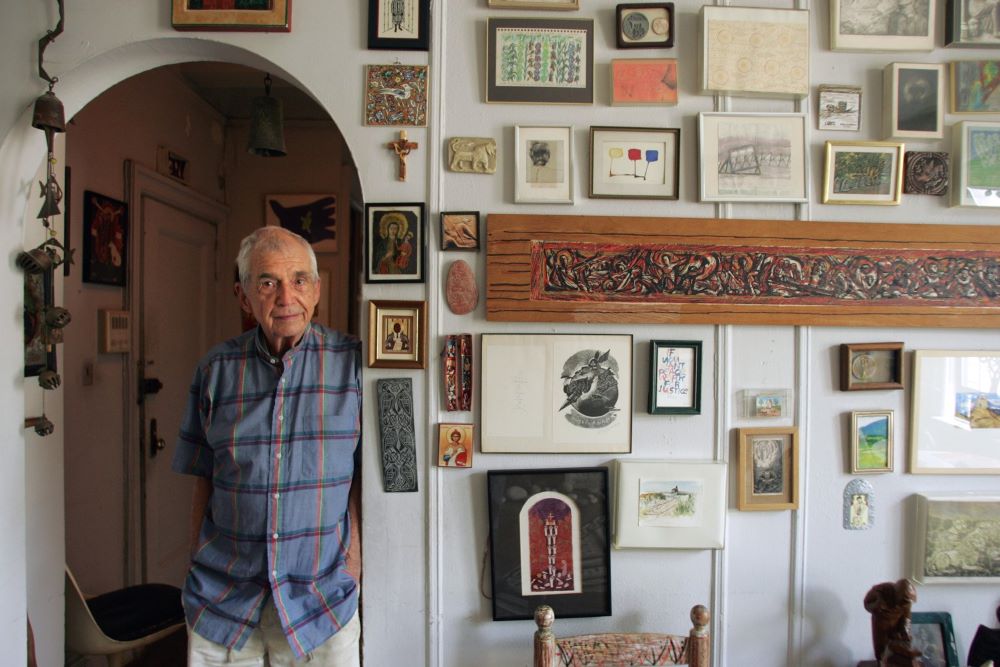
column 83, row 634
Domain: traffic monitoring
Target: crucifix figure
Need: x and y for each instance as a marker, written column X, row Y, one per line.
column 402, row 147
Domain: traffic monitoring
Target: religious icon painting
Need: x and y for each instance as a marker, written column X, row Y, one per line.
column 232, row 15
column 397, row 334
column 313, row 217
column 105, row 239
column 394, row 250
column 455, row 445
column 859, row 505
column 396, row 95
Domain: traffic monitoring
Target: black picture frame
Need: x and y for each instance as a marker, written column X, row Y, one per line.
column 395, row 261
column 674, row 371
column 382, row 25
column 105, row 239
column 509, row 493
column 648, row 25
column 934, row 636
column 38, row 294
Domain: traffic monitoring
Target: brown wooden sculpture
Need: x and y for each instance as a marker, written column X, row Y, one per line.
column 890, row 604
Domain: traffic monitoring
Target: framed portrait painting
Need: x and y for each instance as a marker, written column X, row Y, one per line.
column 634, row 162
column 399, row 24
column 913, row 105
column 394, row 243
column 976, row 164
column 882, row 25
column 397, row 334
column 863, row 172
column 543, row 164
column 674, row 377
column 105, row 239
column 768, row 469
column 313, row 217
column 232, row 15
column 950, row 532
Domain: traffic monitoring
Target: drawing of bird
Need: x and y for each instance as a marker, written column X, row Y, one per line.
column 401, row 93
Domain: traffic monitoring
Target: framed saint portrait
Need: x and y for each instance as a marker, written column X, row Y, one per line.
column 394, row 251
column 397, row 334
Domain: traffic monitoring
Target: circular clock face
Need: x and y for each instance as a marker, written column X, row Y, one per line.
column 635, row 25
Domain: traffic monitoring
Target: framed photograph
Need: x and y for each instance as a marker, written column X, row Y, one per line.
column 313, row 217
column 913, row 104
column 634, row 162
column 866, row 366
column 455, row 445
column 540, row 61
column 974, row 85
column 399, row 24
column 768, row 477
column 39, row 353
column 955, row 427
column 926, row 173
column 646, row 25
column 460, row 230
column 839, row 108
column 976, row 180
column 534, row 4
column 753, row 51
column 951, row 530
column 675, row 377
column 644, row 81
column 863, row 172
column 557, row 393
column 232, row 15
column 540, row 513
column 757, row 157
column 397, row 334
column 882, row 25
column 396, row 95
column 871, row 441
column 767, row 403
column 543, row 164
column 105, row 239
column 669, row 505
column 972, row 24
column 394, row 251
column 934, row 636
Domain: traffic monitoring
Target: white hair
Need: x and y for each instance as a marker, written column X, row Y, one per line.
column 270, row 238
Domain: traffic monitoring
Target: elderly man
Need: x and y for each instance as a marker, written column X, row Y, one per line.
column 271, row 432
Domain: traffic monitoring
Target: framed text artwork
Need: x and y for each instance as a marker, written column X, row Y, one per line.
column 882, row 25
column 976, row 179
column 396, row 95
column 634, row 162
column 863, row 172
column 950, row 532
column 913, row 107
column 644, row 81
column 105, row 239
column 313, row 217
column 232, row 15
column 674, row 377
column 394, row 243
column 549, row 542
column 398, row 24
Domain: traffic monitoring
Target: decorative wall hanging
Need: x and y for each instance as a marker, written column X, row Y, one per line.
column 974, row 85
column 951, row 529
column 585, row 269
column 766, row 403
column 39, row 351
column 313, row 217
column 396, row 95
column 460, row 291
column 934, row 636
column 232, row 15
column 459, row 230
column 105, row 239
column 455, row 445
column 644, row 81
column 859, row 505
column 925, row 173
column 472, row 155
column 397, row 334
column 394, row 243
column 634, row 162
column 913, row 101
column 839, row 108
column 971, row 24
column 863, row 172
column 872, row 25
column 872, row 441
column 647, row 25
column 458, row 372
column 402, row 148
column 768, row 477
column 977, row 163
column 543, row 164
column 674, row 377
column 549, row 542
column 399, row 24
column 397, row 435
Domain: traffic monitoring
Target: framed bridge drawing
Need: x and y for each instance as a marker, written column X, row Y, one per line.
column 565, row 268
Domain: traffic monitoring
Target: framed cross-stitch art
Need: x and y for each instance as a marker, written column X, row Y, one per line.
column 913, row 102
column 974, row 23
column 232, row 15
column 863, row 172
column 645, row 25
column 396, row 95
column 882, row 25
column 543, row 164
column 634, row 162
column 974, row 86
column 950, row 532
column 394, row 243
column 397, row 334
column 398, row 24
column 674, row 377
column 644, row 81
column 768, row 477
column 976, row 164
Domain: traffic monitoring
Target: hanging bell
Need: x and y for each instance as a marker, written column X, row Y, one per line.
column 49, row 379
column 266, row 137
column 53, row 195
column 57, row 317
column 35, row 260
column 48, row 114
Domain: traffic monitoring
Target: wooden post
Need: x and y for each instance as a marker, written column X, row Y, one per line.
column 545, row 639
column 699, row 641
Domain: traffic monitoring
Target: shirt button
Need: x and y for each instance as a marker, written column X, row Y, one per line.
column 274, row 573
column 281, row 417
column 275, row 536
column 276, row 496
column 278, row 455
column 273, row 360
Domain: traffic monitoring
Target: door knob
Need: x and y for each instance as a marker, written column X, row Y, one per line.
column 156, row 443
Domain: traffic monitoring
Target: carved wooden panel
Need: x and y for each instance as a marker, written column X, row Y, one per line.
column 397, row 433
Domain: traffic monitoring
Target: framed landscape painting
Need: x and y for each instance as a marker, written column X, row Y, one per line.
column 540, row 61
column 871, row 441
column 882, row 25
column 634, row 162
column 863, row 172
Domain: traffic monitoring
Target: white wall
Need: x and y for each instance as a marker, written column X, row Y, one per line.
column 786, row 590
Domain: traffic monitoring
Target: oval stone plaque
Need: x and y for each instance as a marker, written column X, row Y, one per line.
column 460, row 288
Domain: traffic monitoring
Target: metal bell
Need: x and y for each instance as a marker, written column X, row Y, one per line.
column 35, row 260
column 57, row 317
column 48, row 114
column 266, row 137
column 49, row 379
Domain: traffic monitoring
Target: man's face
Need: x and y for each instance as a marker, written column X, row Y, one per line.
column 281, row 293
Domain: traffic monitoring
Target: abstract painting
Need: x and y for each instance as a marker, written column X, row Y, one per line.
column 313, row 217
column 974, row 85
column 397, row 435
column 644, row 81
column 396, row 95
column 634, row 162
column 863, row 172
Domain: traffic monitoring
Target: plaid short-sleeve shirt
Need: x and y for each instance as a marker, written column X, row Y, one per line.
column 278, row 438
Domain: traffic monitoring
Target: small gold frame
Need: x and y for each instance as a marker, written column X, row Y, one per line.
column 830, row 179
column 858, row 420
column 397, row 334
column 768, row 475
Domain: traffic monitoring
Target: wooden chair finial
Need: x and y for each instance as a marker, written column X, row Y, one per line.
column 700, row 617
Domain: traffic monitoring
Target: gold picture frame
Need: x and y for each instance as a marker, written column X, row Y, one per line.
column 847, row 169
column 397, row 334
column 768, row 477
column 872, row 441
column 277, row 17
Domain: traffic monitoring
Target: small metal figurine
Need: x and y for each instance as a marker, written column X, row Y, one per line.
column 890, row 604
column 402, row 147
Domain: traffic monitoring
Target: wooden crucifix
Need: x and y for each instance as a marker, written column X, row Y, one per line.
column 402, row 147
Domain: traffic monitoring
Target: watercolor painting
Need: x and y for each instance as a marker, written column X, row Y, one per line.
column 975, row 84
column 669, row 502
column 644, row 81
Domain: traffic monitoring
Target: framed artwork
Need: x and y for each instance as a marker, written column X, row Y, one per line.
column 669, row 505
column 866, row 366
column 675, row 377
column 543, row 164
column 955, row 427
column 540, row 61
column 399, row 24
column 753, row 51
column 472, row 155
column 756, row 157
column 39, row 353
column 972, row 24
column 232, row 15
column 460, row 230
column 534, row 4
column 951, row 531
column 934, row 636
column 313, row 217
column 839, row 108
column 396, row 95
column 872, row 441
column 105, row 239
column 768, row 477
column 863, row 172
column 455, row 445
column 557, row 393
column 457, row 372
column 974, row 86
column 397, row 434
column 913, row 105
column 646, row 25
column 767, row 403
column 397, row 334
column 882, row 25
column 859, row 505
column 394, row 250
column 540, row 513
column 976, row 179
column 644, row 81
column 634, row 162
column 925, row 173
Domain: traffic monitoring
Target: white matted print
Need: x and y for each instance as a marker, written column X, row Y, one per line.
column 954, row 538
column 882, row 25
column 543, row 164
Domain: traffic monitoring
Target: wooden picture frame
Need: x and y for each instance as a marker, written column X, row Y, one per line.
column 535, row 399
column 543, row 164
column 926, row 173
column 567, row 77
column 561, row 5
column 974, row 86
column 311, row 216
column 871, row 366
column 874, row 25
column 396, row 95
column 644, row 82
column 934, row 636
column 839, row 108
column 913, row 101
column 754, row 157
column 456, row 445
column 975, row 178
column 675, row 377
column 670, row 504
column 872, row 441
column 768, row 477
column 105, row 240
column 572, row 504
column 273, row 16
column 966, row 31
column 955, row 415
column 654, row 154
column 394, row 243
column 460, row 230
column 399, row 24
column 644, row 26
column 397, row 334
column 848, row 173
column 942, row 555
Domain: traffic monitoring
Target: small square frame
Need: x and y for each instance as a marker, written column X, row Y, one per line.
column 933, row 630
column 871, row 366
column 836, row 176
column 460, row 230
column 399, row 259
column 913, row 101
column 767, row 403
column 656, row 148
column 646, row 25
column 675, row 377
column 278, row 18
column 938, row 558
column 407, row 348
column 543, row 164
column 975, row 183
column 768, row 477
column 839, row 108
column 866, row 425
column 455, row 453
column 926, row 173
column 396, row 95
column 409, row 30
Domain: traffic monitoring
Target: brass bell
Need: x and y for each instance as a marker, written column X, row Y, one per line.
column 49, row 379
column 48, row 114
column 266, row 137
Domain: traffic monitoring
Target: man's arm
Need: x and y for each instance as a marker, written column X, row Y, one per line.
column 354, row 511
column 199, row 505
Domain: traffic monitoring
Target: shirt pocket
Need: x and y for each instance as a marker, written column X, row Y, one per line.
column 321, row 449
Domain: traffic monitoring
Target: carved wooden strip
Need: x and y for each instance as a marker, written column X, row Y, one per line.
column 397, row 433
column 622, row 649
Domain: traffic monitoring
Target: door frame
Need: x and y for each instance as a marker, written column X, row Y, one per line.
column 143, row 185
